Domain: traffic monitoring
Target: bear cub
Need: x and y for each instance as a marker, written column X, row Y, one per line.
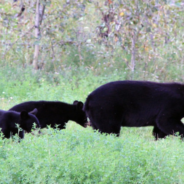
column 9, row 119
column 55, row 113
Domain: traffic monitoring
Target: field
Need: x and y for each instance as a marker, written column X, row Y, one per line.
column 66, row 51
column 78, row 155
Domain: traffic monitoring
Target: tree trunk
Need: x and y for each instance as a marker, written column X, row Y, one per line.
column 38, row 20
column 37, row 35
column 132, row 67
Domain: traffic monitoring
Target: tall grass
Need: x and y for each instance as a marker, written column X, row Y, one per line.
column 80, row 155
column 72, row 82
column 77, row 155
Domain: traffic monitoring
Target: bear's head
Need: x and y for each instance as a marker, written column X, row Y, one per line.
column 27, row 120
column 80, row 115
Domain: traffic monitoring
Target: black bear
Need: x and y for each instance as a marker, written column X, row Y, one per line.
column 136, row 104
column 55, row 113
column 25, row 120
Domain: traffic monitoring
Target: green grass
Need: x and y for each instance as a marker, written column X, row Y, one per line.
column 70, row 72
column 71, row 83
column 77, row 155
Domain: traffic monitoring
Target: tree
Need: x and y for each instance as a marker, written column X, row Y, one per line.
column 40, row 8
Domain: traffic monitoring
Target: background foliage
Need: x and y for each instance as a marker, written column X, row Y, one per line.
column 101, row 36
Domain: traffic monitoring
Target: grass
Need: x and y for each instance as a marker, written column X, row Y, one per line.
column 77, row 155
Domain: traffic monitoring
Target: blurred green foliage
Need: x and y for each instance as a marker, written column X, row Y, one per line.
column 102, row 36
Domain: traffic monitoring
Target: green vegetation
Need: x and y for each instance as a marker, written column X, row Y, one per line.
column 76, row 155
column 84, row 44
column 142, row 38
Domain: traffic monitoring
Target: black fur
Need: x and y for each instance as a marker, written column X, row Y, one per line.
column 55, row 112
column 136, row 104
column 9, row 119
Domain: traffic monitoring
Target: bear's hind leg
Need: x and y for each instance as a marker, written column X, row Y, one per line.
column 109, row 127
column 105, row 120
column 170, row 126
column 157, row 133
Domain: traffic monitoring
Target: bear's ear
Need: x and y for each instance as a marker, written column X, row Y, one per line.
column 78, row 104
column 75, row 102
column 24, row 115
column 34, row 111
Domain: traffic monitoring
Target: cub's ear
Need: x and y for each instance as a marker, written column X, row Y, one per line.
column 75, row 102
column 78, row 104
column 24, row 115
column 34, row 111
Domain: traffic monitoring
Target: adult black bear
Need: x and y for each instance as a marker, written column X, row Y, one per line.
column 55, row 112
column 9, row 119
column 136, row 104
